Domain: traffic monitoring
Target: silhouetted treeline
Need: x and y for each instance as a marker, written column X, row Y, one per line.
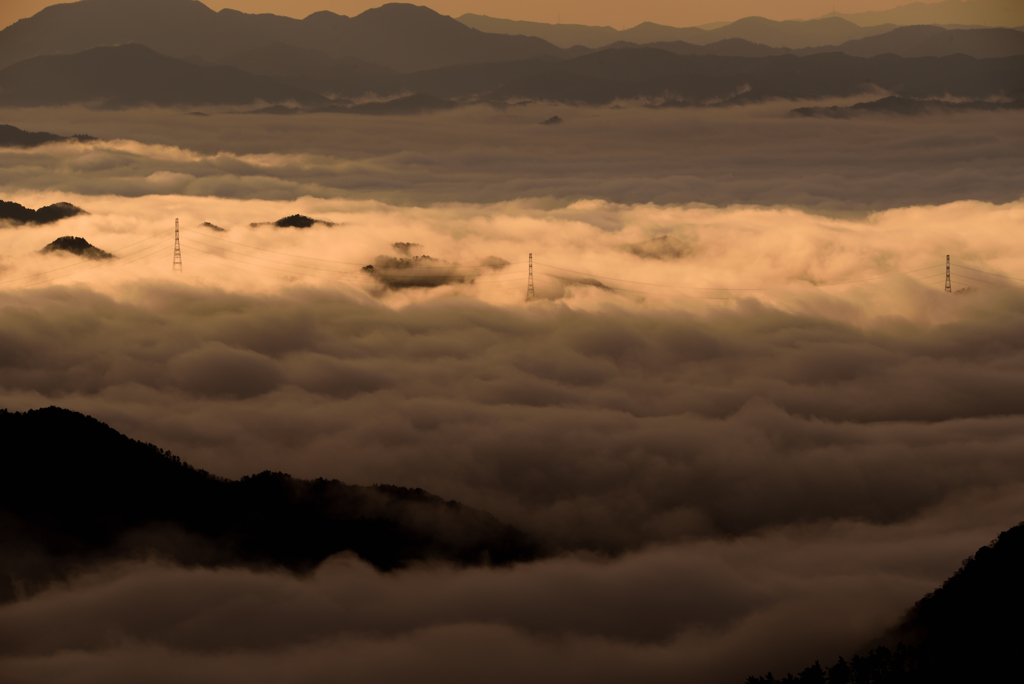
column 73, row 491
column 51, row 213
column 969, row 630
column 76, row 245
column 11, row 136
column 907, row 107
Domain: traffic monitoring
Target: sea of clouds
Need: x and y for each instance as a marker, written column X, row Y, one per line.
column 751, row 155
column 752, row 434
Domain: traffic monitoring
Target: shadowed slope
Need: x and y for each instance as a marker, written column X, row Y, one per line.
column 75, row 491
column 132, row 75
column 969, row 630
column 314, row 71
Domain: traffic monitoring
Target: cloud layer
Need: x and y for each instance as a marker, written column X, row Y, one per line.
column 649, row 408
column 755, row 434
column 750, row 155
column 710, row 611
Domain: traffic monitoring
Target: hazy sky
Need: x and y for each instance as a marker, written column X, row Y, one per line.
column 615, row 13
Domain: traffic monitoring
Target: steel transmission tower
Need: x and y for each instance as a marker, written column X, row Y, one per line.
column 529, row 282
column 949, row 285
column 176, row 266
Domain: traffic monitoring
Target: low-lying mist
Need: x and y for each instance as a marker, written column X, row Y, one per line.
column 683, row 371
column 754, row 435
column 757, row 154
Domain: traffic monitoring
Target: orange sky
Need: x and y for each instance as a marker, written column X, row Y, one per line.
column 601, row 12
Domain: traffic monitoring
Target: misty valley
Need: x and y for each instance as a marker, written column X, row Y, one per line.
column 403, row 346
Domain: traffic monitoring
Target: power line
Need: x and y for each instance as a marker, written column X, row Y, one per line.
column 176, row 263
column 271, row 251
column 102, row 263
column 330, row 270
column 998, row 275
column 884, row 277
column 635, row 282
column 272, row 261
column 975, row 280
column 84, row 261
column 271, row 268
column 299, row 256
column 724, row 289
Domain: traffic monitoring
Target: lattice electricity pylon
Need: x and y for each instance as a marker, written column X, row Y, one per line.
column 176, row 266
column 949, row 285
column 529, row 281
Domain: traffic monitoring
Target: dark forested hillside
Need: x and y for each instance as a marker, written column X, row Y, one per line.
column 12, row 212
column 77, row 246
column 969, row 630
column 10, row 136
column 74, row 491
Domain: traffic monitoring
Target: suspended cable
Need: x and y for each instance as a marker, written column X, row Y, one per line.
column 998, row 275
column 884, row 277
column 97, row 264
column 976, row 280
column 271, row 268
column 272, row 261
column 84, row 261
column 635, row 282
column 299, row 256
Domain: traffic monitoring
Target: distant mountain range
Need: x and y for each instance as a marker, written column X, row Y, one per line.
column 904, row 41
column 396, row 36
column 946, row 12
column 410, row 59
column 74, row 492
column 789, row 34
column 831, row 29
column 133, row 75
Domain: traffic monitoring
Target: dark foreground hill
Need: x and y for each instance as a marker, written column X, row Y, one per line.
column 969, row 630
column 12, row 212
column 73, row 492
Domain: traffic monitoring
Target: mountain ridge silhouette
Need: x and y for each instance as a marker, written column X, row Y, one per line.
column 967, row 630
column 74, row 492
column 398, row 36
